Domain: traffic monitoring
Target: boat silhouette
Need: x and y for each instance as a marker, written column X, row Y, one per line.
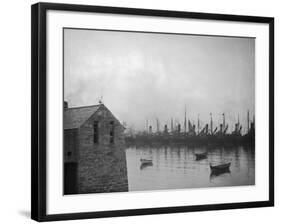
column 200, row 156
column 146, row 163
column 219, row 169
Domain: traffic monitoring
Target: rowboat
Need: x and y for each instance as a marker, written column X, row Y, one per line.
column 200, row 156
column 146, row 161
column 224, row 166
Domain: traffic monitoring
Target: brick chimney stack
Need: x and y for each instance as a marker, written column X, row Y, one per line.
column 65, row 104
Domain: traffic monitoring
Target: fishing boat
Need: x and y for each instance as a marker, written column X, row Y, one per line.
column 200, row 156
column 220, row 167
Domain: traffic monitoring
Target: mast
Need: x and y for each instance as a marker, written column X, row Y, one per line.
column 172, row 125
column 185, row 119
column 146, row 125
column 248, row 121
column 198, row 124
column 157, row 125
column 211, row 123
column 223, row 120
column 238, row 121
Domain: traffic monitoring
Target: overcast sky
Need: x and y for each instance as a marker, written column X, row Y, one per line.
column 147, row 76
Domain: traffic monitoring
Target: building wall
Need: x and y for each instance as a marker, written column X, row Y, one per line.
column 70, row 142
column 101, row 166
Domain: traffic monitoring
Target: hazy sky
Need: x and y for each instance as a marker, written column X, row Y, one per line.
column 147, row 76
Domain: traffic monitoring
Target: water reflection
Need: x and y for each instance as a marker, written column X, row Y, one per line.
column 215, row 173
column 179, row 167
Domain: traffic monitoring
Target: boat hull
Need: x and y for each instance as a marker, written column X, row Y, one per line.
column 201, row 156
column 220, row 167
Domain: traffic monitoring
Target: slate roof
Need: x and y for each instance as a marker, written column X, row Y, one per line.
column 76, row 116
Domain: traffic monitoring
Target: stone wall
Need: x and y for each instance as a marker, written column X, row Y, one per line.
column 101, row 166
column 71, row 145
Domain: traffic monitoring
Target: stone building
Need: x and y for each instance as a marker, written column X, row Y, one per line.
column 94, row 153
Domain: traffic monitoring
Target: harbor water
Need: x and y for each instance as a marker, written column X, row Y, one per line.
column 177, row 167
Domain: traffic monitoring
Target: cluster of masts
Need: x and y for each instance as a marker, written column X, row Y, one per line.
column 191, row 129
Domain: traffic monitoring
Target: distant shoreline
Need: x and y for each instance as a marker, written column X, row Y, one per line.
column 190, row 141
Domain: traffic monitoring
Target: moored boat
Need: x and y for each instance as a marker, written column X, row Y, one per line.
column 200, row 156
column 223, row 166
column 146, row 161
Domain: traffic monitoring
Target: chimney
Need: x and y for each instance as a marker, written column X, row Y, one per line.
column 65, row 104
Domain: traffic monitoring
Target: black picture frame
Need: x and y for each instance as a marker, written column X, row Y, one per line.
column 39, row 122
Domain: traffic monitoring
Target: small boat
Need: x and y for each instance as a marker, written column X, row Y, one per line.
column 200, row 156
column 146, row 161
column 220, row 167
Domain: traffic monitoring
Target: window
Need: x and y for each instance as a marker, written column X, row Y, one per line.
column 96, row 132
column 111, row 132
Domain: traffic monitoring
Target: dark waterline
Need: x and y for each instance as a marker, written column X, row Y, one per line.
column 176, row 167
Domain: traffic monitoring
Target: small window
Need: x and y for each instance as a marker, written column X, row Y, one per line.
column 111, row 132
column 96, row 132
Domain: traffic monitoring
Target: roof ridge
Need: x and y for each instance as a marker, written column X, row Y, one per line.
column 94, row 105
column 74, row 117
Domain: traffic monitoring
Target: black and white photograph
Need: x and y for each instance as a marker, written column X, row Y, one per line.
column 148, row 111
column 142, row 111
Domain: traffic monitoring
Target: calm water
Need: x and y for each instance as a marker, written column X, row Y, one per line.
column 177, row 167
